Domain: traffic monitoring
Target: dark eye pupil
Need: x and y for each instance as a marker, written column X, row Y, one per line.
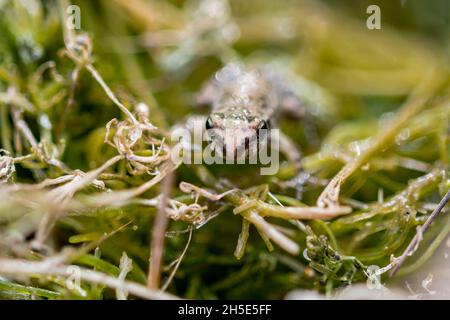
column 209, row 124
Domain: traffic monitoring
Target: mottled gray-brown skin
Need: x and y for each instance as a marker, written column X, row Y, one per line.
column 242, row 102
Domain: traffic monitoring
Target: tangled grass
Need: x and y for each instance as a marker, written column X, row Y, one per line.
column 90, row 201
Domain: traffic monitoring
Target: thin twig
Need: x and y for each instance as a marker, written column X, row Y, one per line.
column 177, row 262
column 23, row 267
column 418, row 237
column 159, row 231
column 110, row 93
column 412, row 106
column 117, row 198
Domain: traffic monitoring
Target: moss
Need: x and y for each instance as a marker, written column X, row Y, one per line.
column 57, row 100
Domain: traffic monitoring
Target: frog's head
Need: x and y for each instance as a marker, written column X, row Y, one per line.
column 236, row 134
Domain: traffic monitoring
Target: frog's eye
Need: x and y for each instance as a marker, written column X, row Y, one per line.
column 263, row 125
column 209, row 123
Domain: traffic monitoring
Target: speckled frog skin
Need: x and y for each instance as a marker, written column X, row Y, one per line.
column 242, row 102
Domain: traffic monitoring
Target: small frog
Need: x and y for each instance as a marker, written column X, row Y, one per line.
column 246, row 102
